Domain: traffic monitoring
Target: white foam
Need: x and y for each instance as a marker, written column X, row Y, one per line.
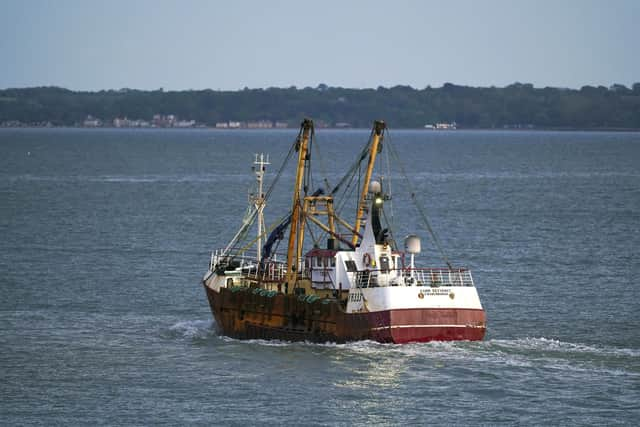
column 518, row 176
column 527, row 352
column 549, row 344
column 193, row 328
column 131, row 179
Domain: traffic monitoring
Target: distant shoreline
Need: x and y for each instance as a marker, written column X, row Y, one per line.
column 519, row 106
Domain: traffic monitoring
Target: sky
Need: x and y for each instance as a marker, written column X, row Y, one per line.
column 229, row 45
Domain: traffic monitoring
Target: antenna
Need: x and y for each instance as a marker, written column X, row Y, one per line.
column 260, row 167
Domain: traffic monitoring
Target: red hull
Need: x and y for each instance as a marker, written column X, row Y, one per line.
column 245, row 314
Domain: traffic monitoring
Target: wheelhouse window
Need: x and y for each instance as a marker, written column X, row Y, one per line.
column 351, row 266
column 384, row 264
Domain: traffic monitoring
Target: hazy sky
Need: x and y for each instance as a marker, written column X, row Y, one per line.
column 89, row 45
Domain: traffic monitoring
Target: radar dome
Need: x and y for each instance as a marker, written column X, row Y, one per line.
column 375, row 187
column 412, row 244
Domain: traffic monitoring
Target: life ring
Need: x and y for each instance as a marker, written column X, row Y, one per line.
column 366, row 259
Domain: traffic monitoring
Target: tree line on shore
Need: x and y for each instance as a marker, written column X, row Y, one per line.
column 515, row 106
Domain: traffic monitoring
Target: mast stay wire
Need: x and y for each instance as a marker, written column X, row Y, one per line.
column 419, row 207
column 348, row 178
column 264, row 234
column 241, row 235
column 351, row 173
column 386, row 154
column 318, row 153
column 345, row 196
column 308, row 174
column 355, row 165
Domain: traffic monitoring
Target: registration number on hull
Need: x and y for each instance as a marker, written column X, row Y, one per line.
column 355, row 297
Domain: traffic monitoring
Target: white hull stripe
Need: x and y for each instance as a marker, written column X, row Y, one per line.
column 425, row 326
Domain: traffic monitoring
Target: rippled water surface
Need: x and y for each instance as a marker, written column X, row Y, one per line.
column 105, row 235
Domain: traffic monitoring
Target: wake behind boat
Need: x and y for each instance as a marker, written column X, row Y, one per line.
column 357, row 286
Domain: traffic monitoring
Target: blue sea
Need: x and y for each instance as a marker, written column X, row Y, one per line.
column 105, row 236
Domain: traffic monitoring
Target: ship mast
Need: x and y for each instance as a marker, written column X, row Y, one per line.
column 378, row 129
column 296, row 236
column 258, row 198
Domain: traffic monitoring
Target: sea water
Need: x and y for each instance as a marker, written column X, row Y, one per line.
column 105, row 236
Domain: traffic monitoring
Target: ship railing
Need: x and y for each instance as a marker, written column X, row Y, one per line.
column 268, row 271
column 433, row 277
column 220, row 260
column 248, row 267
column 249, row 257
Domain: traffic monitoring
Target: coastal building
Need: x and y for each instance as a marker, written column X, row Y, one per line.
column 446, row 126
column 261, row 124
column 126, row 123
column 92, row 122
column 185, row 123
column 441, row 126
column 163, row 121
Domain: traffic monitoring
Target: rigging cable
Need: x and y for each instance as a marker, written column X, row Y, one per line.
column 386, row 154
column 264, row 233
column 308, row 175
column 323, row 169
column 244, row 229
column 348, row 178
column 421, row 210
column 354, row 166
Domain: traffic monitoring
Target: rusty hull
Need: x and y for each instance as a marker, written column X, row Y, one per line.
column 245, row 313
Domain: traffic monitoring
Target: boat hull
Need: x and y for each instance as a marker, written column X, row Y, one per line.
column 246, row 313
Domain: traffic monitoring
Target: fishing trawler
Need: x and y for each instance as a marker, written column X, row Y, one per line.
column 355, row 285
